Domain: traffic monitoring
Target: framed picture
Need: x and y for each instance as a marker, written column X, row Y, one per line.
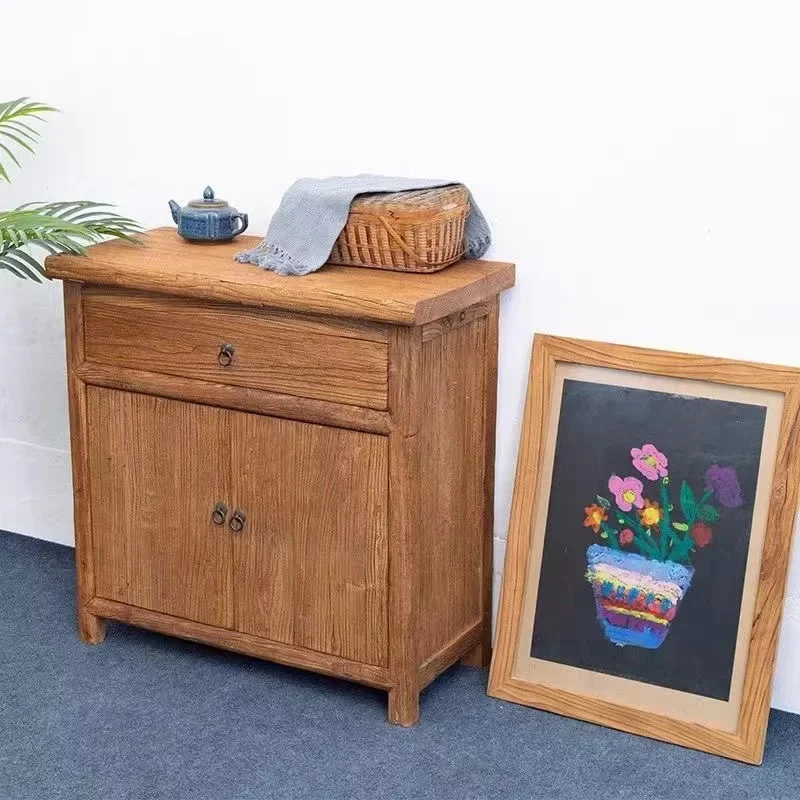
column 650, row 532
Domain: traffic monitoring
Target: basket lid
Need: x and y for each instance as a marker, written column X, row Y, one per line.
column 414, row 201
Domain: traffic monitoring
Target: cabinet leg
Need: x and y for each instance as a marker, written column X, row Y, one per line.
column 92, row 629
column 404, row 706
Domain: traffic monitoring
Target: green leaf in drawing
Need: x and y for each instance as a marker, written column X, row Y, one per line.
column 688, row 503
column 680, row 526
column 603, row 502
column 707, row 513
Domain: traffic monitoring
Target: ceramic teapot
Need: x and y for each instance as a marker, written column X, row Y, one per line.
column 208, row 219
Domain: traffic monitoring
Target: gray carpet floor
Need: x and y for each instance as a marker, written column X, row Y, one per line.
column 147, row 717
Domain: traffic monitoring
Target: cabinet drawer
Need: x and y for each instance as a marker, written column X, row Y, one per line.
column 340, row 361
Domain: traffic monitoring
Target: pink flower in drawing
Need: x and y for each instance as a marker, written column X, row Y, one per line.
column 627, row 491
column 650, row 461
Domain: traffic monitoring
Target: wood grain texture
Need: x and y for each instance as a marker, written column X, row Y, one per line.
column 451, row 490
column 242, row 643
column 465, row 642
column 405, row 522
column 158, row 468
column 311, row 564
column 442, row 326
column 481, row 655
column 277, row 352
column 747, row 742
column 90, row 627
column 237, row 397
column 167, row 264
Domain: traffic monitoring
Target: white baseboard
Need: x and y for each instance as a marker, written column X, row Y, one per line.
column 786, row 687
column 36, row 491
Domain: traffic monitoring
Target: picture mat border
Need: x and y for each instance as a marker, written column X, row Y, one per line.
column 746, row 743
column 646, row 696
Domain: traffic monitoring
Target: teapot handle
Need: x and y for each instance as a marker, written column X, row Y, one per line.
column 244, row 222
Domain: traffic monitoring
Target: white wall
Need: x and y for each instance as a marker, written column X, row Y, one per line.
column 638, row 160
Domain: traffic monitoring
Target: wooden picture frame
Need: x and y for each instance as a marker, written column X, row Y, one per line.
column 736, row 727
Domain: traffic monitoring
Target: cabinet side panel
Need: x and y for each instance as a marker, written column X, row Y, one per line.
column 452, row 474
column 89, row 626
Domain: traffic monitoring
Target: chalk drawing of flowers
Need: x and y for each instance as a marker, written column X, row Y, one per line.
column 641, row 568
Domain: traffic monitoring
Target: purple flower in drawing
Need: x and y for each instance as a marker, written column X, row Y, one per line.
column 650, row 461
column 627, row 491
column 724, row 482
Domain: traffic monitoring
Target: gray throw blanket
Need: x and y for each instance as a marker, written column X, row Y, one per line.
column 313, row 212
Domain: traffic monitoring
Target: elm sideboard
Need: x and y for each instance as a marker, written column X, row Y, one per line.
column 299, row 469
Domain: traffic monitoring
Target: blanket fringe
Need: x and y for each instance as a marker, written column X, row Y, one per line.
column 270, row 256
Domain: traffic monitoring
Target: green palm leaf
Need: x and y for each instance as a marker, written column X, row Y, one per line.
column 63, row 227
column 15, row 132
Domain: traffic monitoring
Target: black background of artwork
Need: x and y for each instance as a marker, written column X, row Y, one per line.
column 598, row 426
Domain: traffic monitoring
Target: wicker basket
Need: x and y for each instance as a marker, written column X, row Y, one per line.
column 415, row 231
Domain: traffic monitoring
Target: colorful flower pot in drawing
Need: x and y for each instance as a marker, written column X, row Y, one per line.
column 636, row 598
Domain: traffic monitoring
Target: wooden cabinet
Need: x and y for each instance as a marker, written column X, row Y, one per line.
column 299, row 469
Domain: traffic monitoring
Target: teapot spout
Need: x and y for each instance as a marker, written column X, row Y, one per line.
column 176, row 210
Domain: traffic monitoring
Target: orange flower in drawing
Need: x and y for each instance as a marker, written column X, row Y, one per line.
column 650, row 515
column 595, row 517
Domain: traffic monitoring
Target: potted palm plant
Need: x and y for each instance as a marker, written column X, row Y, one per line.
column 29, row 232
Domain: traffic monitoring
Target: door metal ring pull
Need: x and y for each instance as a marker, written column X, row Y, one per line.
column 219, row 514
column 225, row 356
column 238, row 520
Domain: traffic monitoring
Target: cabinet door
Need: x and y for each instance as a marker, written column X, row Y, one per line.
column 310, row 565
column 157, row 469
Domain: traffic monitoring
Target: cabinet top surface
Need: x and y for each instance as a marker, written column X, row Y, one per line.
column 169, row 265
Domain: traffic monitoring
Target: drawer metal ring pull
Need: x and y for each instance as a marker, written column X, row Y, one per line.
column 237, row 521
column 219, row 514
column 225, row 356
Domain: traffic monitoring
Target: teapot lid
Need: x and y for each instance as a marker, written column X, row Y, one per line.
column 208, row 201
